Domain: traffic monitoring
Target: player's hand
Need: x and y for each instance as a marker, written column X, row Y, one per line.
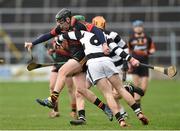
column 50, row 51
column 134, row 62
column 28, row 45
column 130, row 68
column 151, row 51
column 106, row 49
column 59, row 40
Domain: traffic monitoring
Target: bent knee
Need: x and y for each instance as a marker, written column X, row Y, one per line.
column 78, row 94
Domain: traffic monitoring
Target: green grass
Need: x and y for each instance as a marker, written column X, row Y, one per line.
column 18, row 109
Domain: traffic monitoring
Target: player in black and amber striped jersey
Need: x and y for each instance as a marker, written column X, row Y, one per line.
column 140, row 47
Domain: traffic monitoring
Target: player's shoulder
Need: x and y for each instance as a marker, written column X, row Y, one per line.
column 147, row 35
column 111, row 34
column 108, row 32
column 56, row 31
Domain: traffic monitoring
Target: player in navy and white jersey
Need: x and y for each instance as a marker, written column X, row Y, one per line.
column 100, row 22
column 102, row 72
column 119, row 62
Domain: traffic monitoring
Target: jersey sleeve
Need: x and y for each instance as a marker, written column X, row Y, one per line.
column 99, row 34
column 42, row 38
column 151, row 44
column 119, row 51
column 54, row 32
column 91, row 28
column 117, row 39
column 73, row 35
column 130, row 48
column 80, row 26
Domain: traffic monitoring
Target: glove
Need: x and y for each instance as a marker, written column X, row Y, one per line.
column 58, row 41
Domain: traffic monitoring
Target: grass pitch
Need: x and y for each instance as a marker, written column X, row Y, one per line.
column 18, row 109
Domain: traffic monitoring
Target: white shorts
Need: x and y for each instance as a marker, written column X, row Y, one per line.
column 100, row 69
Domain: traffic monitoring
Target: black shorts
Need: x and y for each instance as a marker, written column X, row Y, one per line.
column 77, row 52
column 141, row 71
column 56, row 68
column 59, row 59
column 79, row 55
column 82, row 62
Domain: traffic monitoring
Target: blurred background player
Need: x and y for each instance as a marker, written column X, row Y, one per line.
column 60, row 55
column 140, row 47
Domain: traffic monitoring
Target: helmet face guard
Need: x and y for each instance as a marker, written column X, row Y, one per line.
column 61, row 19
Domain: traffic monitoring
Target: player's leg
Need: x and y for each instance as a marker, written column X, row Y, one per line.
column 142, row 75
column 52, row 81
column 53, row 75
column 136, row 82
column 71, row 91
column 82, row 86
column 69, row 68
column 81, row 119
column 144, row 83
column 143, row 86
column 117, row 97
column 117, row 84
column 102, row 85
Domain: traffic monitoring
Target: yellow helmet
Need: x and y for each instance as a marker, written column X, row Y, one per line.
column 99, row 22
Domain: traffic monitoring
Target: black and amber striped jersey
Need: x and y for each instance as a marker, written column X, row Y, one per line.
column 140, row 45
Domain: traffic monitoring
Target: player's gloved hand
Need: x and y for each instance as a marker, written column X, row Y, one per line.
column 106, row 49
column 28, row 45
column 59, row 40
column 134, row 62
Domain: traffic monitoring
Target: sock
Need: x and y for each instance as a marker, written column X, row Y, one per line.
column 138, row 90
column 99, row 104
column 54, row 96
column 136, row 108
column 130, row 89
column 56, row 107
column 73, row 107
column 138, row 102
column 119, row 117
column 81, row 114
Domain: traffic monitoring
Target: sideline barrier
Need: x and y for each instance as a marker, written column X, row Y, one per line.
column 20, row 73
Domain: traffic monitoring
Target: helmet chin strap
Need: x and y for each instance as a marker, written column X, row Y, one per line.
column 139, row 34
column 68, row 20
